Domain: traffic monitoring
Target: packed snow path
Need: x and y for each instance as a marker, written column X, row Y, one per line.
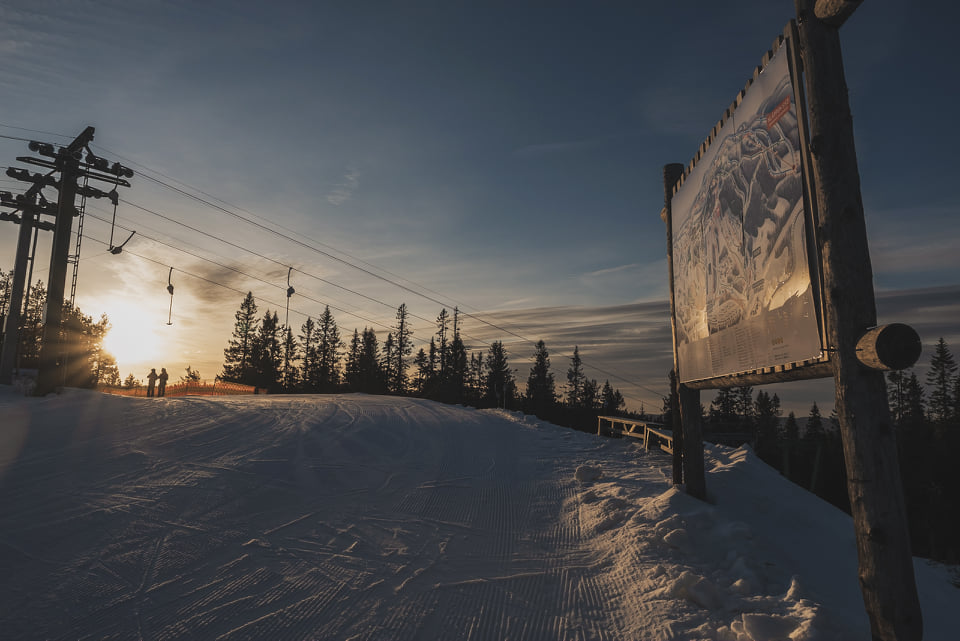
column 359, row 517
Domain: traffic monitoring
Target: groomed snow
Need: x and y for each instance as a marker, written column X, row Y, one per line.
column 364, row 517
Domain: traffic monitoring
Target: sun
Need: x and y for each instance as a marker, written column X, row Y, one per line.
column 131, row 339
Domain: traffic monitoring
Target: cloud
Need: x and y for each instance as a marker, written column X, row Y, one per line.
column 343, row 191
column 561, row 147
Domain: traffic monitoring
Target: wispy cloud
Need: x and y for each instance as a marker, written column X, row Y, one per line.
column 561, row 147
column 344, row 190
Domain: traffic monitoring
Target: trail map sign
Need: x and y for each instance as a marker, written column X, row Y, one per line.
column 742, row 281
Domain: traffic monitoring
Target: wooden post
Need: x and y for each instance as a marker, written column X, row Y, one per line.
column 687, row 433
column 869, row 445
column 671, row 174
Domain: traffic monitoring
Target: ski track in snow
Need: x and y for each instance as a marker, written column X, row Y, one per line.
column 363, row 517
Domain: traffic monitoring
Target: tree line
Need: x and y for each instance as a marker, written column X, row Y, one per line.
column 85, row 362
column 268, row 355
column 927, row 423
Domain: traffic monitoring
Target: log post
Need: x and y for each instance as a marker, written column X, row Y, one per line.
column 687, row 433
column 869, row 446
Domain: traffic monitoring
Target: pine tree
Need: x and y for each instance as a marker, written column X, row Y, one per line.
column 266, row 354
column 743, row 399
column 388, row 363
column 767, row 419
column 328, row 352
column 590, row 394
column 443, row 349
column 31, row 326
column 541, row 393
column 914, row 403
column 191, row 376
column 423, row 372
column 670, row 401
column 612, row 401
column 369, row 373
column 575, row 380
column 131, row 382
column 500, row 386
column 940, row 378
column 457, row 364
column 895, row 385
column 402, row 336
column 814, row 428
column 476, row 384
column 352, row 369
column 791, row 431
column 237, row 365
column 291, row 353
column 723, row 411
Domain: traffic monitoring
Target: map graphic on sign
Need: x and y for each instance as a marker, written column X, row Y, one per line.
column 742, row 286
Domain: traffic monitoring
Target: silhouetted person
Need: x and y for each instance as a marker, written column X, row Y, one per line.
column 151, row 381
column 162, row 389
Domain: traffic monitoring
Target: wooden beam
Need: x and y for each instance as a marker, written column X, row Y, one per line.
column 869, row 444
column 889, row 347
column 835, row 12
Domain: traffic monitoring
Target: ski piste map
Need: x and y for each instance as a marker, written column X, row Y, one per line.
column 742, row 288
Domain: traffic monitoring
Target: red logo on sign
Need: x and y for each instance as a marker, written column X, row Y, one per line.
column 778, row 112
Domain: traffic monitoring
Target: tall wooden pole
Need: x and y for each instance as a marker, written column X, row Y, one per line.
column 869, row 445
column 688, row 436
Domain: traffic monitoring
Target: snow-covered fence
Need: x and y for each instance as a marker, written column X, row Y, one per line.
column 653, row 434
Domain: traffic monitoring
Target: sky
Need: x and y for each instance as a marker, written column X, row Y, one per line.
column 505, row 158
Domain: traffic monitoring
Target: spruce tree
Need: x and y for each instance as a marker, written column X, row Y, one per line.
column 237, row 365
column 369, row 373
column 499, row 385
column 352, row 369
column 590, row 394
column 575, row 380
column 541, row 393
column 291, row 353
column 612, row 401
column 767, row 420
column 940, row 379
column 423, row 372
column 309, row 381
column 457, row 364
column 403, row 346
column 723, row 411
column 443, row 348
column 267, row 354
column 895, row 390
column 388, row 363
column 814, row 428
column 329, row 346
column 791, row 431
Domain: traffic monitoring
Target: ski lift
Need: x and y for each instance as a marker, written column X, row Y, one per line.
column 290, row 292
column 169, row 289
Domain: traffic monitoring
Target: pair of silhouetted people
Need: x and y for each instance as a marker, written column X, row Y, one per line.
column 152, row 379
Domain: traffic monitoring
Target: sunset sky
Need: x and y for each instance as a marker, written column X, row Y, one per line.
column 501, row 156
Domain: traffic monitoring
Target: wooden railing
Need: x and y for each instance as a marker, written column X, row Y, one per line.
column 653, row 434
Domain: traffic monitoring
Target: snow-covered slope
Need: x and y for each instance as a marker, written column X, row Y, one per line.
column 359, row 517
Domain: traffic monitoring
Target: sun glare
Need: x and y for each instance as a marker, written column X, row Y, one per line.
column 131, row 340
